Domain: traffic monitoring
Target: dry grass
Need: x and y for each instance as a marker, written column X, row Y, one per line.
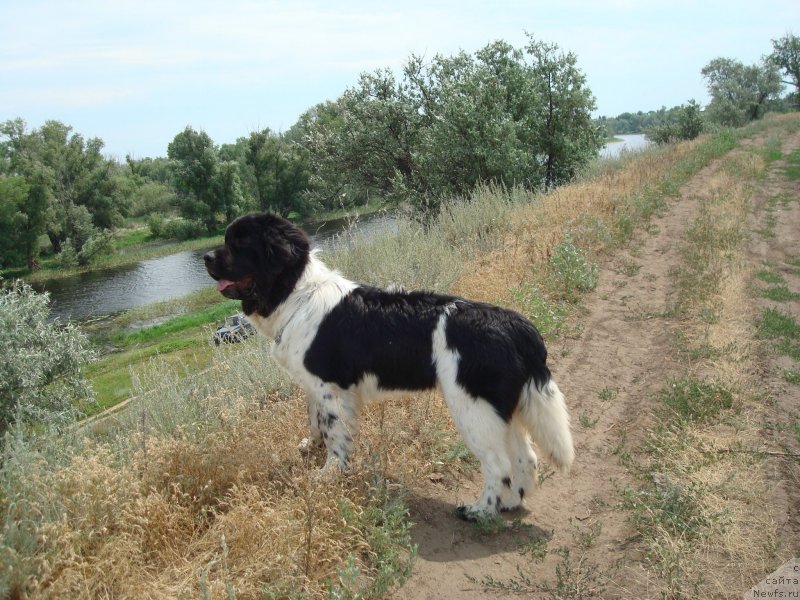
column 600, row 212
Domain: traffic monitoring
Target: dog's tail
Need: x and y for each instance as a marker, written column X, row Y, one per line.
column 544, row 413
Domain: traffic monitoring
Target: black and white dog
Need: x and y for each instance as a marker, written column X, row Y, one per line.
column 346, row 343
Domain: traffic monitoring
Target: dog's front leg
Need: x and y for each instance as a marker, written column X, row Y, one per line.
column 337, row 413
column 314, row 440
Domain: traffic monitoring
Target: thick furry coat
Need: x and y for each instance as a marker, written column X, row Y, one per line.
column 347, row 344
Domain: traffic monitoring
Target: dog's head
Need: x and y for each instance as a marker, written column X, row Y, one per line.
column 263, row 257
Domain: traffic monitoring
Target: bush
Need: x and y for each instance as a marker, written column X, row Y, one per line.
column 688, row 126
column 156, row 224
column 177, row 229
column 569, row 273
column 151, row 198
column 40, row 366
column 181, row 229
column 100, row 243
column 68, row 257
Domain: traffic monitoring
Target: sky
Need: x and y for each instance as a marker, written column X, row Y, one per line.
column 136, row 73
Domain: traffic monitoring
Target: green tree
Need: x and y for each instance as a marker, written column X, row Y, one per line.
column 74, row 187
column 682, row 123
column 371, row 139
column 568, row 138
column 503, row 115
column 739, row 93
column 786, row 56
column 227, row 188
column 281, row 171
column 23, row 219
column 318, row 131
column 195, row 165
column 40, row 367
column 13, row 194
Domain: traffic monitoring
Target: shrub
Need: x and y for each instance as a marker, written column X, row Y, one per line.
column 40, row 366
column 569, row 273
column 155, row 223
column 179, row 229
column 687, row 127
column 101, row 242
column 151, row 198
column 68, row 257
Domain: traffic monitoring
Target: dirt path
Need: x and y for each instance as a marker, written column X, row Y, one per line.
column 611, row 374
column 775, row 248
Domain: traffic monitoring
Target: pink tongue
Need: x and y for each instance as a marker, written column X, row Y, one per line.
column 224, row 284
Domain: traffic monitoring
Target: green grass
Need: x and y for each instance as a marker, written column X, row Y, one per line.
column 178, row 324
column 182, row 341
column 780, row 327
column 570, row 274
column 665, row 505
column 779, row 293
column 550, row 317
column 132, row 236
column 693, row 401
column 777, row 324
column 607, row 394
column 388, row 533
column 792, row 170
column 770, row 277
column 772, row 149
column 111, row 377
column 792, row 376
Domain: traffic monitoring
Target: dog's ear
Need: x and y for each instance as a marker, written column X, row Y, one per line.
column 283, row 242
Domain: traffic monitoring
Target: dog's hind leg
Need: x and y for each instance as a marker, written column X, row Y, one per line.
column 484, row 430
column 523, row 464
column 337, row 422
column 485, row 434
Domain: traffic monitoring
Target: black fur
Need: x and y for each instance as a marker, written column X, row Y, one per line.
column 386, row 334
column 389, row 334
column 267, row 253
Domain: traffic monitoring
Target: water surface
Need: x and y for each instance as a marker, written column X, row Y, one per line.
column 114, row 290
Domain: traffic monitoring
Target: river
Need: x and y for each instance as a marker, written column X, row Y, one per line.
column 628, row 142
column 111, row 291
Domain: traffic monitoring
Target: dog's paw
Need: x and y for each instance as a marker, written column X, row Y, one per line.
column 332, row 469
column 473, row 514
column 307, row 446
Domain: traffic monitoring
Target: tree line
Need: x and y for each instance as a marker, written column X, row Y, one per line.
column 739, row 93
column 506, row 115
column 512, row 116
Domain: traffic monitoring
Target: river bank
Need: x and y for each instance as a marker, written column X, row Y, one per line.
column 133, row 245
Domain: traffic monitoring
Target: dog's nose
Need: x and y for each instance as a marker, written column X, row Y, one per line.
column 209, row 256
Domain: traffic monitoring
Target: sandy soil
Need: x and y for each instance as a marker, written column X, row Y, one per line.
column 610, row 373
